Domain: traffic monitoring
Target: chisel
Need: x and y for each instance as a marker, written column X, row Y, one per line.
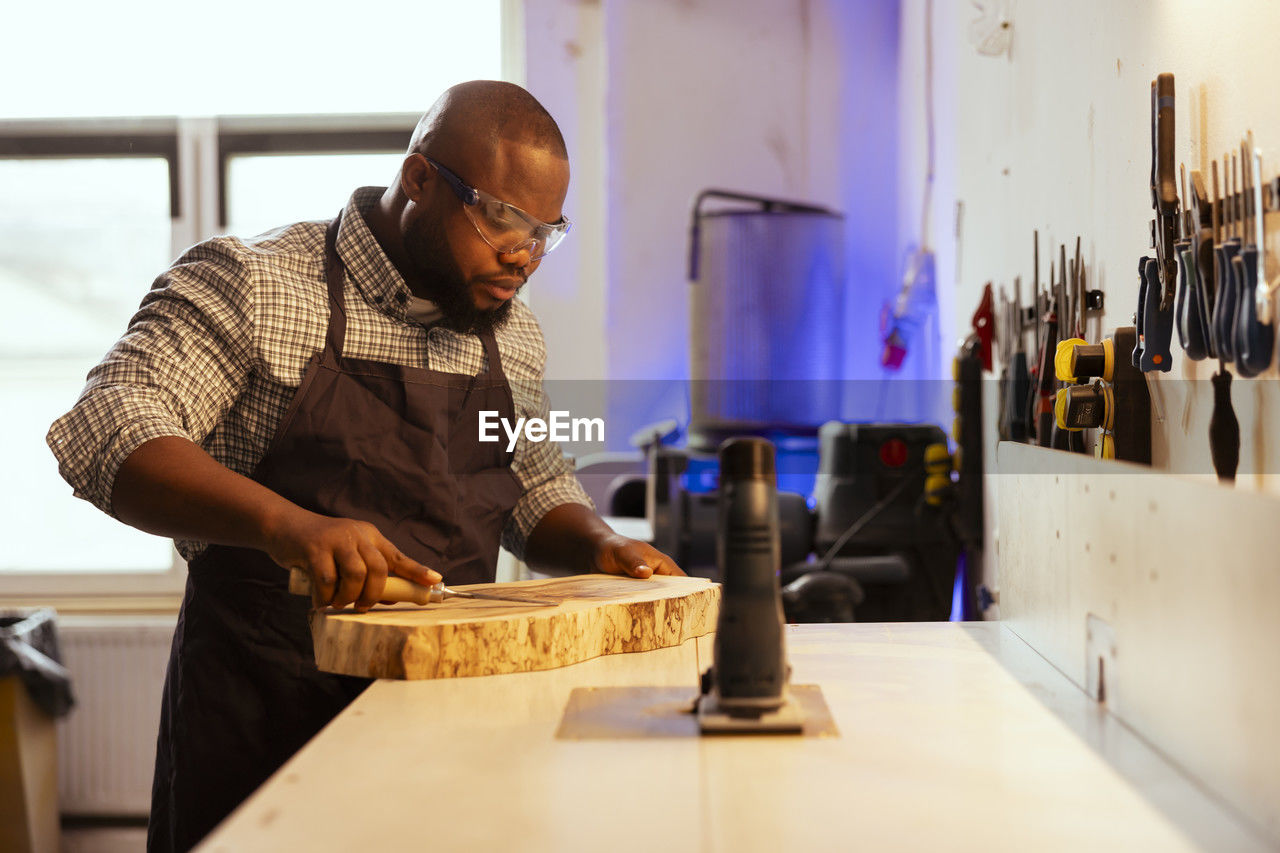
column 1046, row 385
column 1064, row 296
column 404, row 590
column 1075, row 440
column 1004, row 341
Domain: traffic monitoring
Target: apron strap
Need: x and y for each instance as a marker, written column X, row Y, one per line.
column 334, row 271
column 491, row 355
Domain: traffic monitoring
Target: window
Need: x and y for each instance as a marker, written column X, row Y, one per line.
column 257, row 186
column 269, row 117
column 273, row 171
column 78, row 237
column 242, row 57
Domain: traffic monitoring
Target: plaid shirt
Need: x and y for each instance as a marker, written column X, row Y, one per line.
column 218, row 347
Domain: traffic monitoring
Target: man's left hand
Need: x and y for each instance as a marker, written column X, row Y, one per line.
column 571, row 537
column 618, row 555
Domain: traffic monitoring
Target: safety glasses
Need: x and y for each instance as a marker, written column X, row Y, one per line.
column 505, row 227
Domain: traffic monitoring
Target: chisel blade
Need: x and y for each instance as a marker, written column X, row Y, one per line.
column 489, row 596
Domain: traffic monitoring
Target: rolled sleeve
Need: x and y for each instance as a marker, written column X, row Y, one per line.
column 542, row 468
column 92, row 441
column 180, row 365
column 537, row 502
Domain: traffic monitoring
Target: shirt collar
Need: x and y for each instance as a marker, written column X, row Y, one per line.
column 424, row 312
column 375, row 277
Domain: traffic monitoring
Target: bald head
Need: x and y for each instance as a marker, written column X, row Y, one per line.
column 480, row 114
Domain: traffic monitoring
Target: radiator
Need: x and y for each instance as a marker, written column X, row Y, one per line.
column 107, row 744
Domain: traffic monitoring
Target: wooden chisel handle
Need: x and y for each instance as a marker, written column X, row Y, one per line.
column 397, row 588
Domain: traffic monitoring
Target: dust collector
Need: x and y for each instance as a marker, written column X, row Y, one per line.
column 767, row 318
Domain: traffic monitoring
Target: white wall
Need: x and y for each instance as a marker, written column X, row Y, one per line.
column 1183, row 645
column 1055, row 136
column 564, row 55
column 776, row 97
column 564, row 67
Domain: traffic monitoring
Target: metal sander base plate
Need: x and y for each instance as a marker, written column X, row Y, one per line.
column 787, row 718
column 615, row 713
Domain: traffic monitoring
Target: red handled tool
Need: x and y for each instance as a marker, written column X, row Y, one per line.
column 984, row 326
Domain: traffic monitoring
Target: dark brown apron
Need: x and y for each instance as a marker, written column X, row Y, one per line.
column 395, row 446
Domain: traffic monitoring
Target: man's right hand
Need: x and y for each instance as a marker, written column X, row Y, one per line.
column 348, row 560
column 170, row 486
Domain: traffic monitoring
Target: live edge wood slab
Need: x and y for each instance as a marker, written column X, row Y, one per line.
column 597, row 615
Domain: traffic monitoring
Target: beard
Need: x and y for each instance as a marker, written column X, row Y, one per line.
column 442, row 282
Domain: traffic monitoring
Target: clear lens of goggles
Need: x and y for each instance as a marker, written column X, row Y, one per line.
column 509, row 229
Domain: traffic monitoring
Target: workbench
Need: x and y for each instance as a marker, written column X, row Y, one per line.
column 952, row 736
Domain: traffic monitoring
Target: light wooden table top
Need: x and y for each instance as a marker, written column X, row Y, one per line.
column 952, row 736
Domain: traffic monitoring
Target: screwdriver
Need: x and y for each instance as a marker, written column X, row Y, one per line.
column 1046, row 384
column 1018, row 381
column 1191, row 333
column 1080, row 300
column 1264, row 294
column 1255, row 334
column 1155, row 325
column 1033, row 398
column 1224, row 428
column 1225, row 311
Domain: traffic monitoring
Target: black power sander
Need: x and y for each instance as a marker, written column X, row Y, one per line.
column 746, row 688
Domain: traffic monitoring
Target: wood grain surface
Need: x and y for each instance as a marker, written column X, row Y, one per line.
column 598, row 615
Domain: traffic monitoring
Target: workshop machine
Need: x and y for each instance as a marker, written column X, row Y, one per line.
column 879, row 537
column 766, row 318
column 871, row 547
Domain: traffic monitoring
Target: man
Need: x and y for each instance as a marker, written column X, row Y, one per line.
column 311, row 398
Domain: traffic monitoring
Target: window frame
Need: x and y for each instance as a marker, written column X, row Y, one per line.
column 198, row 151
